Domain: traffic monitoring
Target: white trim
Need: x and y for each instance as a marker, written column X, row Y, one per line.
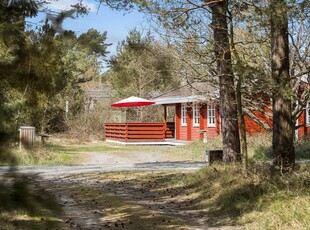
column 183, row 115
column 196, row 115
column 211, row 115
column 177, row 99
column 296, row 130
column 166, row 142
column 308, row 114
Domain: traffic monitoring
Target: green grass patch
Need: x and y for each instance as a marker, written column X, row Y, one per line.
column 54, row 147
column 263, row 199
column 25, row 205
column 225, row 196
column 194, row 151
column 259, row 148
column 38, row 155
column 302, row 149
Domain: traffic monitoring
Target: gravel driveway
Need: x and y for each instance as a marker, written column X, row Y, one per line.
column 97, row 162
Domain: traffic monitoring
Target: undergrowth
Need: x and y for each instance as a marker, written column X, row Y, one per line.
column 302, row 148
column 262, row 199
column 259, row 148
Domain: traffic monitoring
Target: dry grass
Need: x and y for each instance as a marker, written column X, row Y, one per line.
column 216, row 196
column 26, row 205
column 38, row 155
column 263, row 199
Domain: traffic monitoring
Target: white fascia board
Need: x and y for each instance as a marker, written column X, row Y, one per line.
column 175, row 100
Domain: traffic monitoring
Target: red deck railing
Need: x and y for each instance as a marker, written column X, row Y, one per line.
column 136, row 132
column 170, row 129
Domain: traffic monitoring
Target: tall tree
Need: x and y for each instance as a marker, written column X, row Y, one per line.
column 229, row 119
column 188, row 15
column 283, row 126
column 141, row 67
column 12, row 53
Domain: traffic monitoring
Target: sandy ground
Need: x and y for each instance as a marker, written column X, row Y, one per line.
column 130, row 158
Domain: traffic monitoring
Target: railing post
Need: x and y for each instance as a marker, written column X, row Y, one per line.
column 126, row 132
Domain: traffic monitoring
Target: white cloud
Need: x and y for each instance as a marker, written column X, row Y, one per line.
column 61, row 5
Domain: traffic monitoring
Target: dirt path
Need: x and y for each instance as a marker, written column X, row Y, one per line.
column 124, row 190
column 130, row 158
column 127, row 200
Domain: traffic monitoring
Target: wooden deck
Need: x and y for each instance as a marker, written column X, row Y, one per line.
column 138, row 131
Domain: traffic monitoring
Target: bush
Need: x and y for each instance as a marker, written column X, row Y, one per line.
column 302, row 148
column 89, row 124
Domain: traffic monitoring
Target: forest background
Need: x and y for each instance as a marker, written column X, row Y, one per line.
column 43, row 68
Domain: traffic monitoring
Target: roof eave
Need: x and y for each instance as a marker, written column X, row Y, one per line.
column 176, row 100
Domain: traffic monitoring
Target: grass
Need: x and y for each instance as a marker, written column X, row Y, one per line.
column 54, row 147
column 66, row 152
column 26, row 205
column 261, row 200
column 194, row 151
column 259, row 148
column 38, row 156
column 302, row 148
column 220, row 195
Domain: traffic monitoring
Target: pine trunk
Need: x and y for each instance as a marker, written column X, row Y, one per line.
column 229, row 118
column 283, row 127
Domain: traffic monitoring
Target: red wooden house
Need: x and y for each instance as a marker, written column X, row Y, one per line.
column 196, row 115
column 196, row 112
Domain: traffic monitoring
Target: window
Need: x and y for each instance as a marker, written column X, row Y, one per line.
column 183, row 115
column 308, row 114
column 211, row 115
column 196, row 112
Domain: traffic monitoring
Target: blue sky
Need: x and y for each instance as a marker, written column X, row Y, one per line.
column 116, row 23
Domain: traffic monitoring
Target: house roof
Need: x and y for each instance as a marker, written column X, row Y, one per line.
column 96, row 94
column 103, row 92
column 197, row 91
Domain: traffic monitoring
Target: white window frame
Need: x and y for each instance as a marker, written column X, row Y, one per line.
column 211, row 115
column 183, row 115
column 196, row 115
column 308, row 114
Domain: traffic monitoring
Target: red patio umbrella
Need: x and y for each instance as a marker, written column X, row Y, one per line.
column 133, row 101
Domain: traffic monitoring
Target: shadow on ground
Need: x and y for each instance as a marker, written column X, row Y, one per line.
column 25, row 205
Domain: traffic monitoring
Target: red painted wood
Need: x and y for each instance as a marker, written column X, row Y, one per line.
column 252, row 127
column 195, row 134
column 183, row 133
column 178, row 122
column 189, row 117
column 135, row 131
column 170, row 129
column 304, row 129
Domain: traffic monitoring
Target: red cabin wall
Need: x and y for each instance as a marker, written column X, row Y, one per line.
column 178, row 130
column 189, row 126
column 304, row 129
column 190, row 132
column 214, row 131
column 252, row 127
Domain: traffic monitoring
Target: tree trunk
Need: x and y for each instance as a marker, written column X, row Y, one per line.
column 243, row 141
column 229, row 119
column 283, row 127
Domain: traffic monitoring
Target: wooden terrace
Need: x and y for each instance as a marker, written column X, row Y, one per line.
column 139, row 131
